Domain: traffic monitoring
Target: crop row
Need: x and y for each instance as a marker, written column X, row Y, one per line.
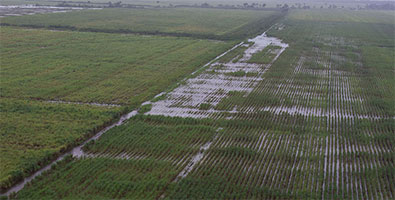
column 34, row 133
column 309, row 124
column 256, row 161
column 326, row 92
column 101, row 178
column 97, row 67
column 149, row 137
column 267, row 156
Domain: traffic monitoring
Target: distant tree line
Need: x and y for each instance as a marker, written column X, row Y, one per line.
column 385, row 5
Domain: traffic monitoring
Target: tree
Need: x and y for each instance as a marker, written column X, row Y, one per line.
column 205, row 5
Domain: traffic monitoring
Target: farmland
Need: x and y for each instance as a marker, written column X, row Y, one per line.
column 323, row 114
column 60, row 87
column 33, row 133
column 170, row 3
column 301, row 110
column 96, row 67
column 171, row 143
column 200, row 23
column 132, row 179
column 63, row 71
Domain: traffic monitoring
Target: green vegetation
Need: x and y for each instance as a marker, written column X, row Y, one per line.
column 259, row 145
column 233, row 55
column 33, row 133
column 363, row 16
column 360, row 53
column 85, row 59
column 102, row 178
column 156, row 137
column 329, row 68
column 315, row 123
column 145, row 108
column 205, row 106
column 237, row 3
column 243, row 161
column 379, row 62
column 265, row 56
column 242, row 73
column 80, row 67
column 267, row 155
column 318, row 124
column 96, row 67
column 232, row 99
column 87, row 67
column 200, row 23
column 136, row 160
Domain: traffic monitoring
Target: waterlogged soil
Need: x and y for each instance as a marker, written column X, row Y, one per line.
column 82, row 103
column 214, row 84
column 200, row 95
column 19, row 10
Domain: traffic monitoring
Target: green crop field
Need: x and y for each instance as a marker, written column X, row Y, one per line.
column 202, row 23
column 80, row 67
column 150, row 150
column 302, row 110
column 34, row 133
column 236, row 3
column 103, row 178
column 364, row 16
column 318, row 122
column 96, row 67
column 155, row 138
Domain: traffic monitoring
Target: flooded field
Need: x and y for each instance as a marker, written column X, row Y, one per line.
column 303, row 110
column 19, row 10
column 214, row 83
